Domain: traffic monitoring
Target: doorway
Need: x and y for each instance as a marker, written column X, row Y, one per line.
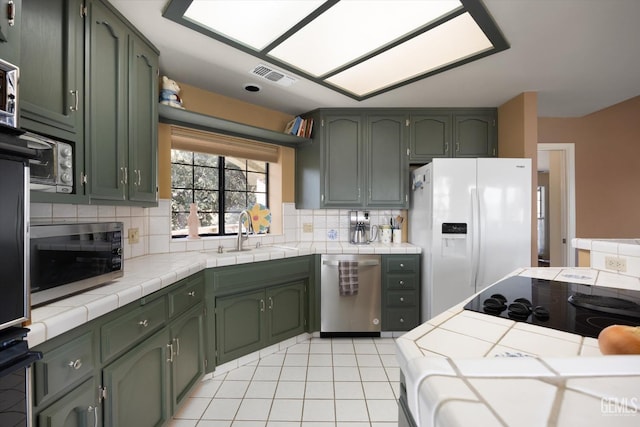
column 556, row 201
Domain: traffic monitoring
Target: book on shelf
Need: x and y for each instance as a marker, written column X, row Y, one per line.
column 299, row 127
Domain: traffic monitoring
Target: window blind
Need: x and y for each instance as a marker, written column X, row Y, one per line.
column 222, row 145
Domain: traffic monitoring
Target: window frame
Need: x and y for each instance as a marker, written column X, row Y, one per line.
column 221, row 189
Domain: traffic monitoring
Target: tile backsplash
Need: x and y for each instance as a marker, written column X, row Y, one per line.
column 154, row 226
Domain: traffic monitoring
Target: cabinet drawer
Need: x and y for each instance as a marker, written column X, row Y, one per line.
column 401, row 299
column 399, row 319
column 132, row 327
column 186, row 296
column 63, row 366
column 402, row 264
column 401, row 281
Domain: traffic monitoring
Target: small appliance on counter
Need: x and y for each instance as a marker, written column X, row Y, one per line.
column 360, row 228
column 70, row 258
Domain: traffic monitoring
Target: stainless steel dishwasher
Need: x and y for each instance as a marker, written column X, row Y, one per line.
column 350, row 314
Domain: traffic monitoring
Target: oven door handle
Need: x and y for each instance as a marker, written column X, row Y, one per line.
column 21, row 362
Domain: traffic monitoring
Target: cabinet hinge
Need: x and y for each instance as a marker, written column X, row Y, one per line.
column 83, row 11
column 102, row 394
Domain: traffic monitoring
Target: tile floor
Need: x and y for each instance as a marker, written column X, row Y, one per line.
column 320, row 382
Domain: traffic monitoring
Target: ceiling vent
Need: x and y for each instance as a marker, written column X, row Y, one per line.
column 275, row 76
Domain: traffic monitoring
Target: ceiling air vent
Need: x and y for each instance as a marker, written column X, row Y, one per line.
column 272, row 75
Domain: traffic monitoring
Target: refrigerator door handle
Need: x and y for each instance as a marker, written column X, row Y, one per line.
column 475, row 237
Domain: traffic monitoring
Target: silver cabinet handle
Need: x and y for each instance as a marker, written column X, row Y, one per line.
column 124, row 172
column 11, row 13
column 192, row 294
column 75, row 94
column 261, row 305
column 401, row 265
column 170, row 350
column 75, row 364
column 94, row 409
column 144, row 323
column 177, row 341
column 401, row 320
column 446, row 147
column 270, row 303
column 457, row 146
column 139, row 177
column 401, row 282
column 401, row 299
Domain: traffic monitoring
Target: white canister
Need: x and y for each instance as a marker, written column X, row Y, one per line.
column 397, row 235
column 385, row 233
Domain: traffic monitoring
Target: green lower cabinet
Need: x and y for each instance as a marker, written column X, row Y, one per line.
column 187, row 346
column 78, row 408
column 400, row 292
column 240, row 328
column 137, row 385
column 251, row 321
column 285, row 311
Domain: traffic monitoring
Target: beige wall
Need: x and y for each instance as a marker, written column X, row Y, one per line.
column 283, row 173
column 607, row 162
column 517, row 138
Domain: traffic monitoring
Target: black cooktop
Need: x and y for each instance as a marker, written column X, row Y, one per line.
column 571, row 307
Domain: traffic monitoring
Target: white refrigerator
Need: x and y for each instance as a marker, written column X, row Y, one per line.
column 472, row 218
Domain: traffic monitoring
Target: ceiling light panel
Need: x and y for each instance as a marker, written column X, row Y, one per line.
column 456, row 39
column 252, row 23
column 351, row 29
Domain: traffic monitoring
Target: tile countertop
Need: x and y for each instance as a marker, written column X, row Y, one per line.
column 148, row 274
column 466, row 368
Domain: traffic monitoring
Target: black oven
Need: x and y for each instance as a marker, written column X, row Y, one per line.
column 15, row 358
column 70, row 258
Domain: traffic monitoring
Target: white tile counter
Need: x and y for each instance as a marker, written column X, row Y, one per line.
column 466, row 368
column 148, row 274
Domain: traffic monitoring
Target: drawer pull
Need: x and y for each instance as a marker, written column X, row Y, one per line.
column 144, row 323
column 401, row 320
column 75, row 364
column 401, row 299
column 401, row 265
column 192, row 294
column 401, row 282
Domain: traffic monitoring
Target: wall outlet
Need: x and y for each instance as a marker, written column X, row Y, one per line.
column 134, row 236
column 615, row 263
column 307, row 227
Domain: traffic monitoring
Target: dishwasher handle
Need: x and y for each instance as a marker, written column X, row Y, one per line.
column 360, row 263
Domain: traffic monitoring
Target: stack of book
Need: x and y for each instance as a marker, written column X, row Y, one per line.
column 299, row 127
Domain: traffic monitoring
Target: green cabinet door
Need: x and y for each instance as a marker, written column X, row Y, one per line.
column 387, row 166
column 137, row 385
column 344, row 153
column 240, row 328
column 10, row 32
column 51, row 72
column 475, row 135
column 78, row 408
column 107, row 114
column 143, row 121
column 429, row 137
column 285, row 311
column 187, row 345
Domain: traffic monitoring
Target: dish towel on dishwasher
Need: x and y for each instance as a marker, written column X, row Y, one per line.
column 348, row 278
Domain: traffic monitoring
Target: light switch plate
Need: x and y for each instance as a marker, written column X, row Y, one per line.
column 134, row 236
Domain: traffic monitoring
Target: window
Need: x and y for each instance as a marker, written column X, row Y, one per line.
column 220, row 186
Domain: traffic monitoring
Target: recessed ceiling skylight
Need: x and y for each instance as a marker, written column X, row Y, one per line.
column 357, row 47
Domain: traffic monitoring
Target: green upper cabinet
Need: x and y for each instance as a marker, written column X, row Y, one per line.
column 122, row 113
column 429, row 136
column 475, row 134
column 10, row 31
column 143, row 121
column 452, row 133
column 387, row 164
column 358, row 159
column 343, row 168
column 51, row 72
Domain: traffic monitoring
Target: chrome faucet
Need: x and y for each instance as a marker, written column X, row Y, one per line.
column 249, row 228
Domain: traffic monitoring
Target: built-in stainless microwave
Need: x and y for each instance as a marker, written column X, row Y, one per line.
column 71, row 258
